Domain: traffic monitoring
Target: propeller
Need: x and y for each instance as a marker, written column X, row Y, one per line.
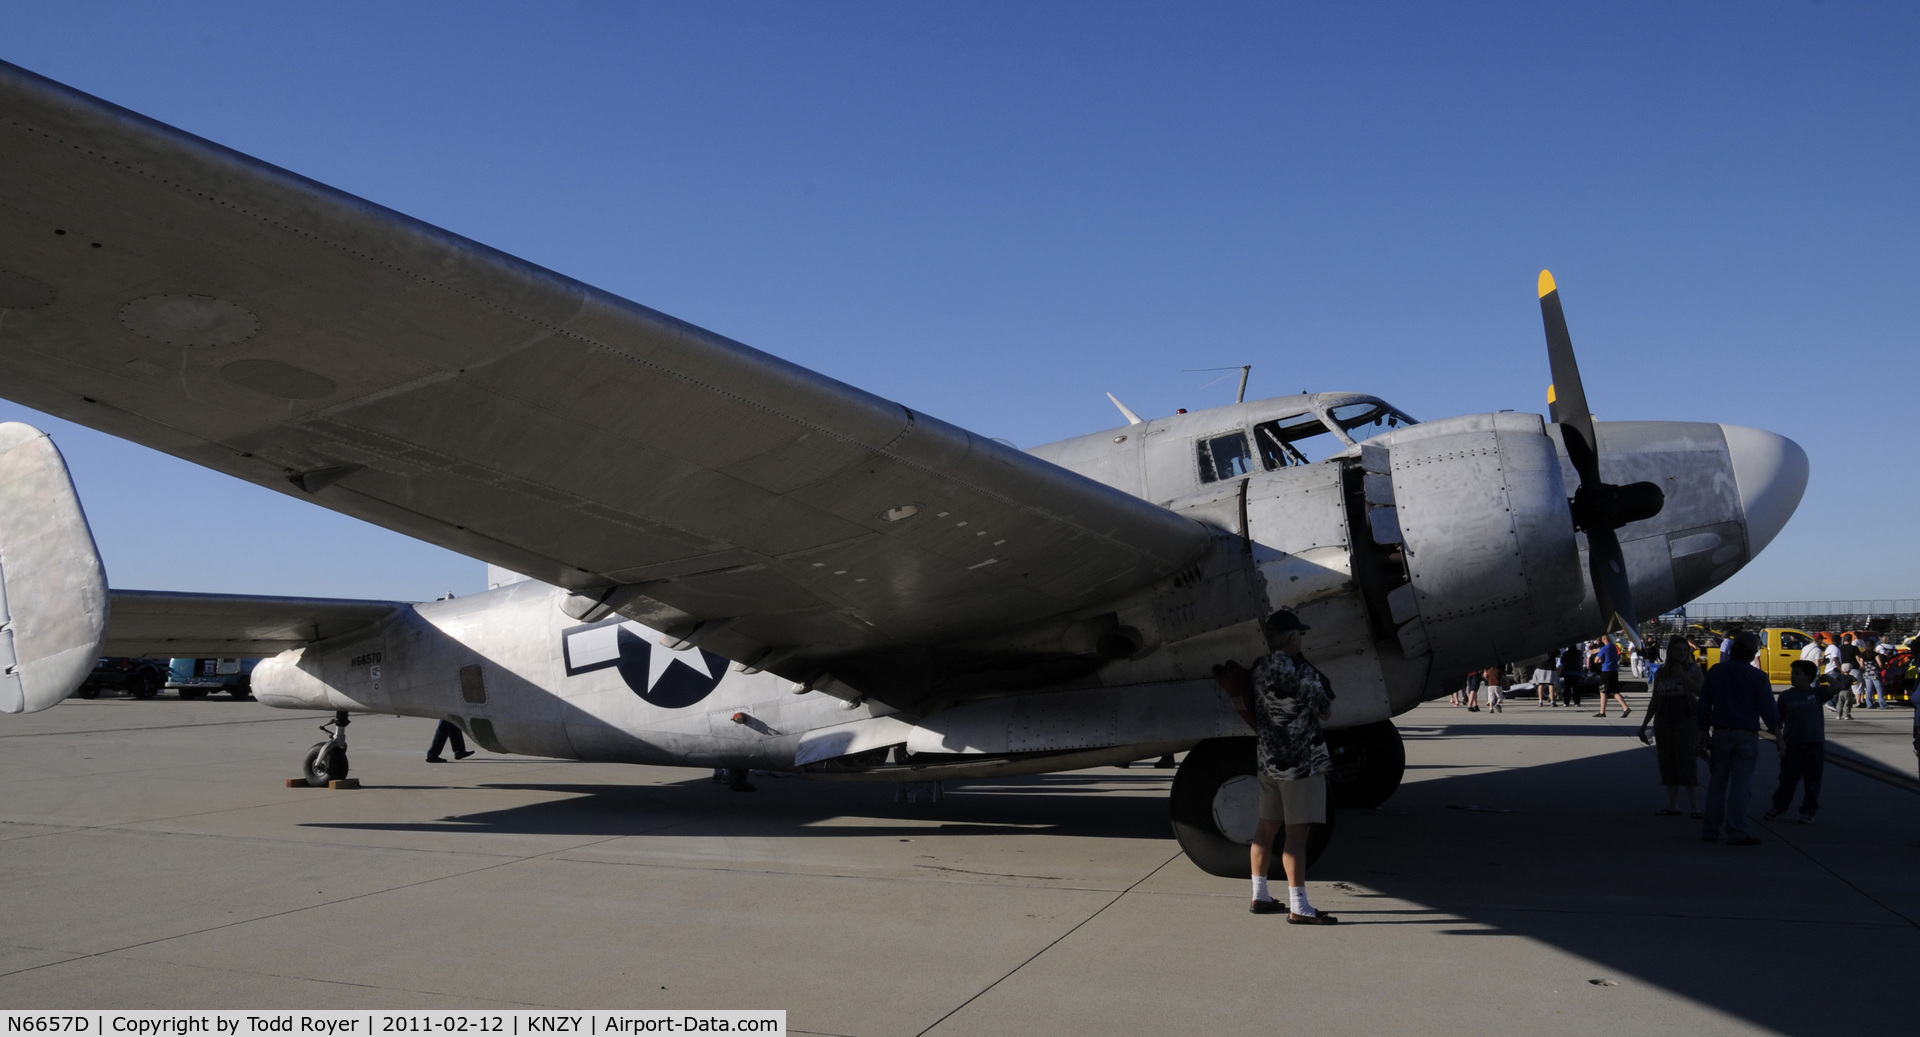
column 1598, row 507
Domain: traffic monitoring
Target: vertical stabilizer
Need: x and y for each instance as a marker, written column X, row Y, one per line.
column 53, row 591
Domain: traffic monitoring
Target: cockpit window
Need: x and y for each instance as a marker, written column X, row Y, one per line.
column 1368, row 419
column 1225, row 457
column 1284, row 441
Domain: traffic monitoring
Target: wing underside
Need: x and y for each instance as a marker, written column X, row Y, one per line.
column 184, row 296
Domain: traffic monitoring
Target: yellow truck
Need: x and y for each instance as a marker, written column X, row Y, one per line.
column 1779, row 647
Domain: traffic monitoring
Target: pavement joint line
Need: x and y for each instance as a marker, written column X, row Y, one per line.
column 309, row 979
column 919, row 879
column 126, row 825
column 1055, row 942
column 153, row 729
column 308, row 907
column 1505, row 907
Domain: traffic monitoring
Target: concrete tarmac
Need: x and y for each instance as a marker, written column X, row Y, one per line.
column 1518, row 883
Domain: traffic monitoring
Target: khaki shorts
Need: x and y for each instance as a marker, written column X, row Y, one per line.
column 1300, row 802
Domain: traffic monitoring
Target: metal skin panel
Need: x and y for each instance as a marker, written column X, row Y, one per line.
column 1490, row 545
column 266, row 326
column 53, row 592
column 1302, row 550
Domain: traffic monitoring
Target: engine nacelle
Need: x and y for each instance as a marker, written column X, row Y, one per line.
column 1479, row 505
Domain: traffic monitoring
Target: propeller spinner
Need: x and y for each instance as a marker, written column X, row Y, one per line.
column 1598, row 507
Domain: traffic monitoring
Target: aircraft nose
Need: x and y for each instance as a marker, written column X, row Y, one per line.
column 1770, row 472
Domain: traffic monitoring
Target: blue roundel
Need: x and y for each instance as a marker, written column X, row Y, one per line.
column 672, row 679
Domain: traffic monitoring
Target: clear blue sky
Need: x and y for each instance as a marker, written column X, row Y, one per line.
column 997, row 212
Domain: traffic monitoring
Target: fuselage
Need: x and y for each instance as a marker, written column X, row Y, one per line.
column 1415, row 551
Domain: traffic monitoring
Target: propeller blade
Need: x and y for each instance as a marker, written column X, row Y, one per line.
column 1567, row 396
column 1607, row 567
column 1598, row 508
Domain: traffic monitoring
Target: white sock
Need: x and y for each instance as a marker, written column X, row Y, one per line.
column 1297, row 901
column 1260, row 888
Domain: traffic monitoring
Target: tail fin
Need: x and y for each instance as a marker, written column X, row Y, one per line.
column 53, row 590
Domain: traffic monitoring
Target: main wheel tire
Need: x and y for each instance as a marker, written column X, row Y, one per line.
column 141, row 686
column 89, row 691
column 318, row 770
column 1368, row 763
column 1215, row 783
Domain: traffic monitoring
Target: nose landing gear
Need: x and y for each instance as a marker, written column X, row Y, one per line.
column 327, row 761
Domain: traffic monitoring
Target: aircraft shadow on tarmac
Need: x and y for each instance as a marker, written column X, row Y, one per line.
column 1081, row 805
column 1567, row 854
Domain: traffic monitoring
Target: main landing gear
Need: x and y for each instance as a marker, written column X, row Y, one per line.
column 327, row 761
column 1368, row 762
column 1215, row 804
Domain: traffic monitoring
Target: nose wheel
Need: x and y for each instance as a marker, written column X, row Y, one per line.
column 1215, row 807
column 327, row 761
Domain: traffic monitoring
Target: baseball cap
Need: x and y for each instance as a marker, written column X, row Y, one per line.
column 1283, row 621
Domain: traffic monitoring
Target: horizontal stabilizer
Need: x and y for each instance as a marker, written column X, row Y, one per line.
column 170, row 623
column 53, row 592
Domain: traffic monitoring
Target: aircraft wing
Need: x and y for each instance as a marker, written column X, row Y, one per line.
column 167, row 623
column 181, row 295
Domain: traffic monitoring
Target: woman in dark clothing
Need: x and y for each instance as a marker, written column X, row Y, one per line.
column 1676, row 735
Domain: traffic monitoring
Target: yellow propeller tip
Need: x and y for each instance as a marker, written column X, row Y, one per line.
column 1546, row 283
column 1551, row 398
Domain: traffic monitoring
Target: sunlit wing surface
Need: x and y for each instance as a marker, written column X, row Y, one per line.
column 167, row 623
column 184, row 296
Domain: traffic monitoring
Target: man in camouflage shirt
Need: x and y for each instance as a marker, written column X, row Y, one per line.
column 1290, row 698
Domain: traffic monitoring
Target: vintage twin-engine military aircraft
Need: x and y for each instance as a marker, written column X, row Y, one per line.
column 736, row 562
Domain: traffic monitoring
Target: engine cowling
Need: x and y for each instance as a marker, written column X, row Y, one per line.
column 1479, row 504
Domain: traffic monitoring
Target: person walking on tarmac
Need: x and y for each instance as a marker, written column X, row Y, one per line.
column 1608, row 656
column 1290, row 698
column 448, row 729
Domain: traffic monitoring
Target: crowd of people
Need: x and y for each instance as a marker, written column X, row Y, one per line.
column 1695, row 712
column 1563, row 678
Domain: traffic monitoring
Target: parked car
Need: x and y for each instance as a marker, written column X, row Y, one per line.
column 141, row 678
column 196, row 678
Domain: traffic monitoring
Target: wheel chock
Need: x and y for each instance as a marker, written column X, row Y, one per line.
column 344, row 783
column 298, row 783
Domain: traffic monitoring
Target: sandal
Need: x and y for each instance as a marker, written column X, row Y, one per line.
column 1666, row 813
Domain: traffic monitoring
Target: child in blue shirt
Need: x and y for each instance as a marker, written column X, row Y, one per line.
column 1803, row 739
